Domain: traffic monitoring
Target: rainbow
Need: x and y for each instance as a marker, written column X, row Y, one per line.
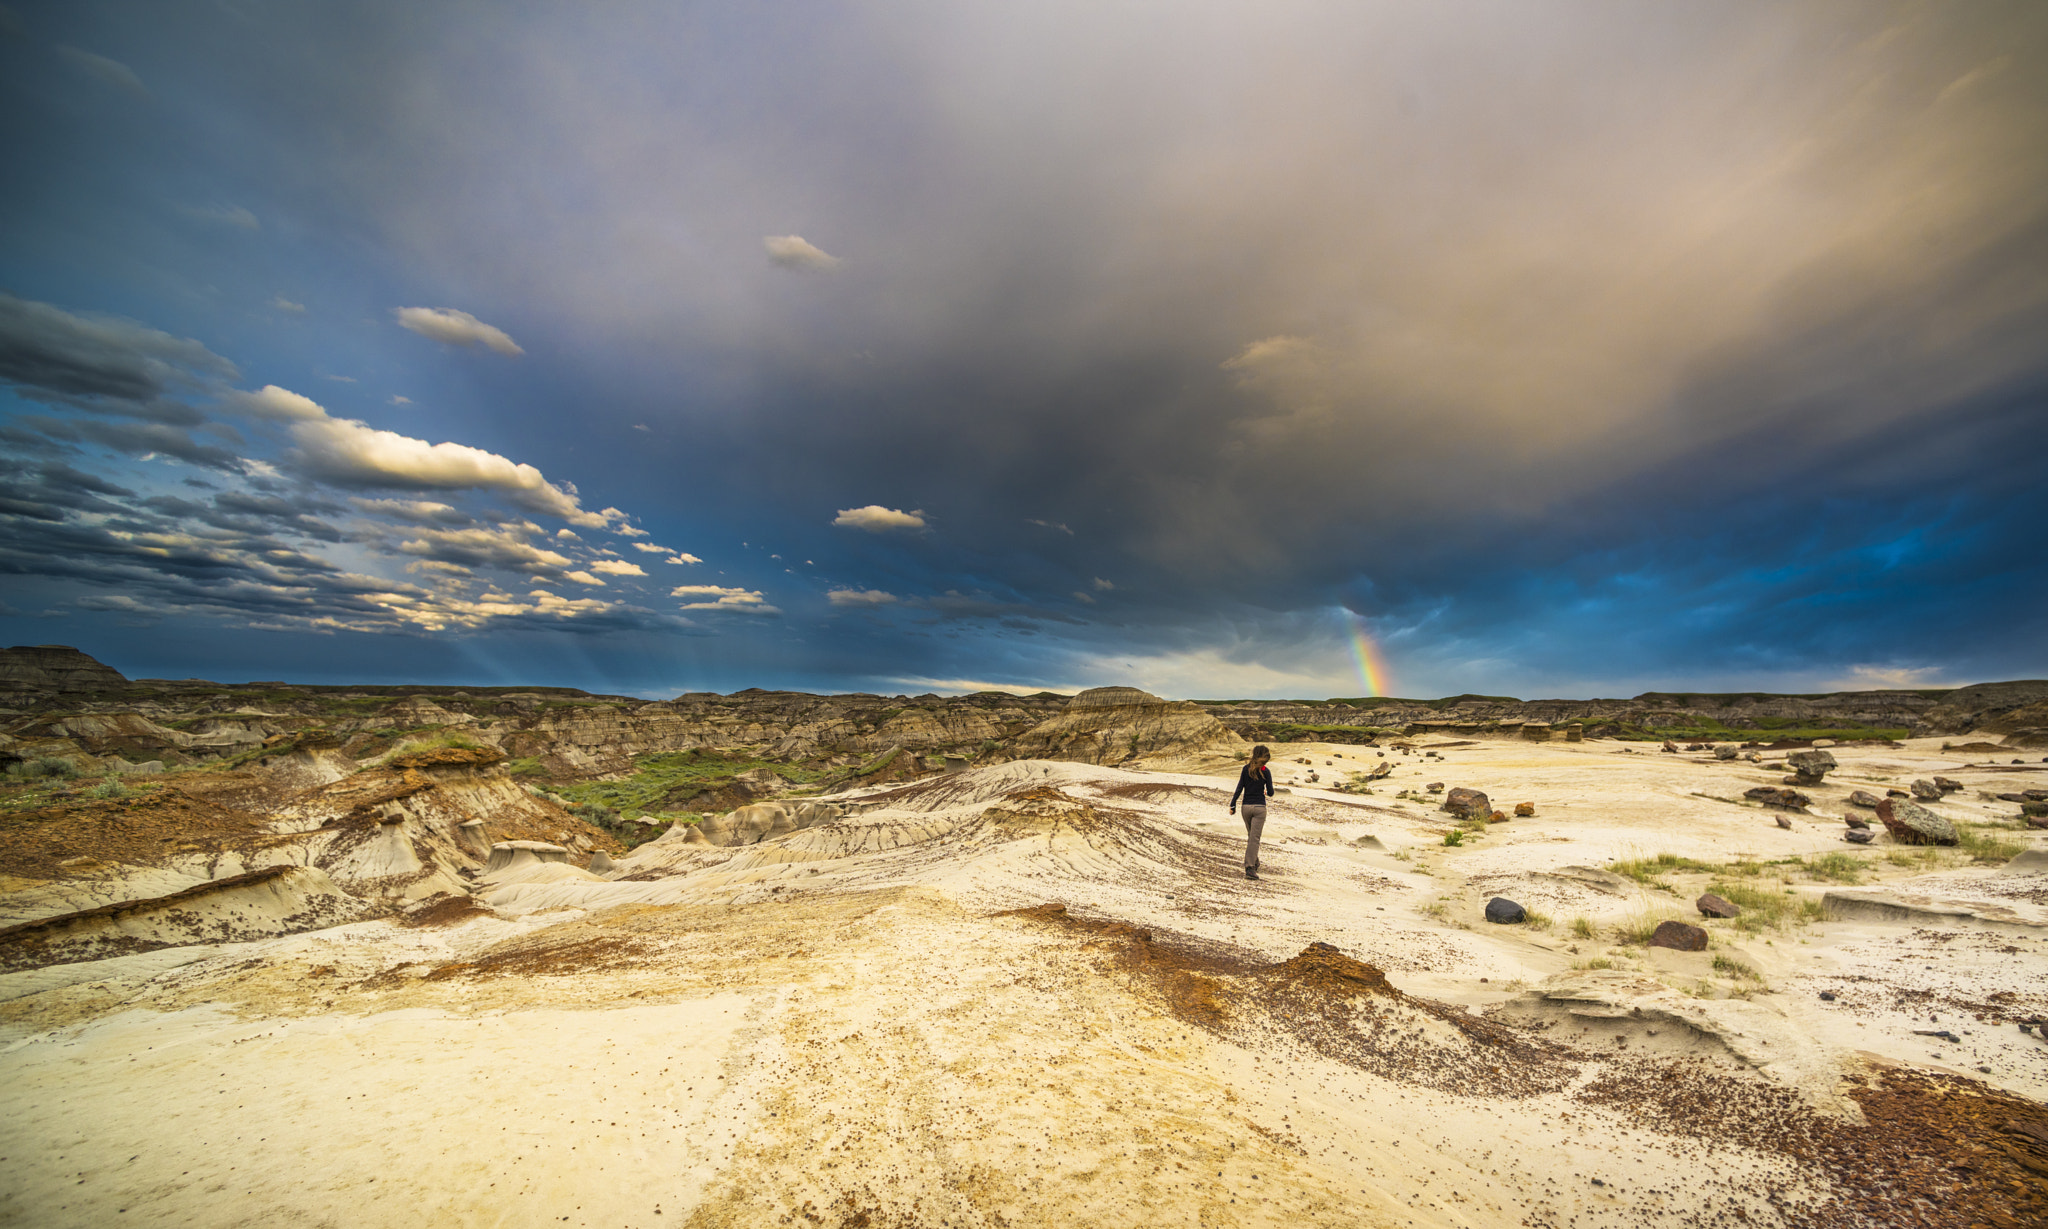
column 1372, row 664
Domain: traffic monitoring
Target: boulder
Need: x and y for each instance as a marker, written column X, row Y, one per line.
column 1498, row 817
column 1679, row 937
column 1669, row 748
column 1501, row 909
column 1754, row 757
column 1437, row 787
column 1912, row 824
column 1897, row 793
column 1864, row 798
column 1524, row 810
column 1855, row 821
column 1811, row 766
column 1467, row 804
column 1947, row 785
column 1380, row 770
column 1774, row 796
column 1711, row 905
column 1724, row 752
column 1926, row 791
column 1858, row 836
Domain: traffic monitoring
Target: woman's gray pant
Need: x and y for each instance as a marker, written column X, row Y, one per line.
column 1254, row 824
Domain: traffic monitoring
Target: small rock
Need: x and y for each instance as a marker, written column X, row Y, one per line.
column 1827, row 996
column 1498, row 817
column 1711, row 905
column 1897, row 793
column 1774, row 796
column 1754, row 757
column 1858, row 836
column 1435, row 787
column 1784, row 823
column 1926, row 791
column 1669, row 748
column 1855, row 821
column 1501, row 909
column 1947, row 785
column 1680, row 937
column 1865, row 799
column 1724, row 752
column 1524, row 810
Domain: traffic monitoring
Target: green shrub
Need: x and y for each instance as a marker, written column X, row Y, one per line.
column 109, row 788
column 43, row 766
column 1454, row 838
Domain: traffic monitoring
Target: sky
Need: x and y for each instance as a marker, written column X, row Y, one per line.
column 1224, row 350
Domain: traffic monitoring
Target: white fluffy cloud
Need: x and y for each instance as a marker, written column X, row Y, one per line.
column 861, row 597
column 652, row 549
column 454, row 328
column 617, row 567
column 684, row 559
column 483, row 547
column 720, row 597
column 350, row 453
column 796, row 252
column 583, row 578
column 876, row 519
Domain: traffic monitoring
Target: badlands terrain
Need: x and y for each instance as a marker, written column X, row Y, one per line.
column 278, row 955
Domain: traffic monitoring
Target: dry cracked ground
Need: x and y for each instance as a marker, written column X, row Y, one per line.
column 1043, row 994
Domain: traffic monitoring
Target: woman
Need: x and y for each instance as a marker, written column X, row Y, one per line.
column 1255, row 783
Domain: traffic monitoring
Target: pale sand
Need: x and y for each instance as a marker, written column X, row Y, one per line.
column 834, row 1029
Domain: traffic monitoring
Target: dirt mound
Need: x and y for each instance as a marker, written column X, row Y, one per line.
column 156, row 821
column 277, row 901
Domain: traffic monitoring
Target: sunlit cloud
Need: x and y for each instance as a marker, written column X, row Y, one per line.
column 876, row 519
column 455, row 328
column 794, row 252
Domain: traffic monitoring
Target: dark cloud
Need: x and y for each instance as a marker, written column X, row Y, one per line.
column 46, row 349
column 1567, row 348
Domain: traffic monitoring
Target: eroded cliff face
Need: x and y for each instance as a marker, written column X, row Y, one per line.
column 1115, row 725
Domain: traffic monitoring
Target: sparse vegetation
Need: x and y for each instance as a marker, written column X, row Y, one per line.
column 43, row 766
column 1454, row 838
column 662, row 783
column 1582, row 927
column 1767, row 907
column 437, row 739
column 1535, row 920
column 1728, row 966
column 109, row 788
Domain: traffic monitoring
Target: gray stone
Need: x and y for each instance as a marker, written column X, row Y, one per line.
column 1724, row 752
column 1501, row 909
column 600, row 862
column 1912, row 824
column 1811, row 766
column 1858, row 836
column 1855, row 821
column 1864, row 798
column 1927, row 791
column 1711, row 905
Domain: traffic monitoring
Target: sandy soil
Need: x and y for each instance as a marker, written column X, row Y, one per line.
column 882, row 1022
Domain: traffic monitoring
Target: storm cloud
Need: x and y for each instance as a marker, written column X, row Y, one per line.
column 1574, row 347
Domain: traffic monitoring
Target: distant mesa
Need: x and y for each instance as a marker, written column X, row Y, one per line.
column 56, row 666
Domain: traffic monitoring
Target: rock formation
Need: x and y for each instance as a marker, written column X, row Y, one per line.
column 54, row 667
column 1912, row 824
column 1111, row 725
